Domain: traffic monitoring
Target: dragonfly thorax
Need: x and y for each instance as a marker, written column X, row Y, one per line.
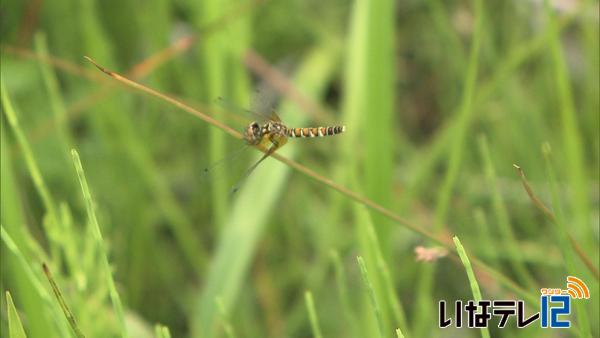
column 275, row 128
column 255, row 133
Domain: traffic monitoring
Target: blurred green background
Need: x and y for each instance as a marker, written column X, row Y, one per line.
column 440, row 99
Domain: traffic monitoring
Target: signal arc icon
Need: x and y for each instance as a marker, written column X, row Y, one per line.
column 577, row 289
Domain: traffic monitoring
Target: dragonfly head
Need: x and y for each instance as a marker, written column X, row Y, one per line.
column 252, row 134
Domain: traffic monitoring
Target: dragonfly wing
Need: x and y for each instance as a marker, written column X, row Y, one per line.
column 242, row 112
column 274, row 117
column 234, row 155
column 249, row 171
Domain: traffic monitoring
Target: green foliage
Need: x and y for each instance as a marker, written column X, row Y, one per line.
column 15, row 328
column 439, row 99
column 312, row 314
column 472, row 280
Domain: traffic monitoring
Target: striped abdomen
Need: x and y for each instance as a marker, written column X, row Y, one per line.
column 315, row 131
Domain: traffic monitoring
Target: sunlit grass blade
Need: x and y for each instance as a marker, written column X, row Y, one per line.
column 161, row 331
column 472, row 280
column 370, row 97
column 15, row 327
column 91, row 214
column 312, row 315
column 227, row 327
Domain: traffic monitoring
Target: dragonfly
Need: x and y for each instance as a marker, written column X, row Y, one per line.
column 271, row 135
column 274, row 134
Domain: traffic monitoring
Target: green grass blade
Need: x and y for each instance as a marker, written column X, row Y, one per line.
column 227, row 327
column 570, row 130
column 370, row 97
column 54, row 94
column 11, row 205
column 371, row 253
column 52, row 230
column 15, row 327
column 472, row 280
column 12, row 214
column 465, row 118
column 342, row 290
column 46, row 308
column 371, row 292
column 11, row 245
column 502, row 217
column 488, row 249
column 63, row 304
column 312, row 315
column 91, row 214
column 384, row 279
column 161, row 331
column 561, row 234
column 212, row 56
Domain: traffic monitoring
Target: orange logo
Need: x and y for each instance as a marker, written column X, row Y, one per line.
column 576, row 288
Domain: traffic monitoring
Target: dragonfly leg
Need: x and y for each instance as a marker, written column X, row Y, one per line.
column 277, row 140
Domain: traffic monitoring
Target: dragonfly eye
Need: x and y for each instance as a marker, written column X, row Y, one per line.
column 252, row 133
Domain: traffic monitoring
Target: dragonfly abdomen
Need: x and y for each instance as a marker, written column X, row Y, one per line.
column 316, row 131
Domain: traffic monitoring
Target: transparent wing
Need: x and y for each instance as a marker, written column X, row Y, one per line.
column 274, row 117
column 263, row 107
column 264, row 101
column 250, row 170
column 246, row 114
column 230, row 159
